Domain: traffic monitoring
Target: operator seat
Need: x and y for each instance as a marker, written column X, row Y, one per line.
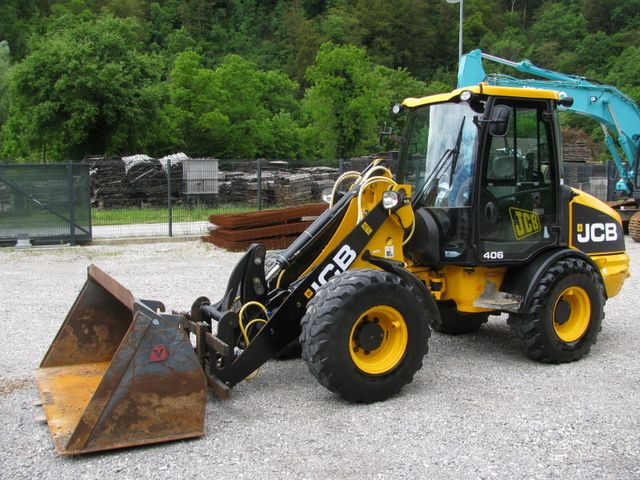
column 502, row 168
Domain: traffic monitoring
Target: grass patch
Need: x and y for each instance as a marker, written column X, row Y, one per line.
column 180, row 213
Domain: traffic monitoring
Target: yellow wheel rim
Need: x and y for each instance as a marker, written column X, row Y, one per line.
column 384, row 331
column 572, row 314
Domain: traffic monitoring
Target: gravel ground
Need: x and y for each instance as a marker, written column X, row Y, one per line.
column 478, row 409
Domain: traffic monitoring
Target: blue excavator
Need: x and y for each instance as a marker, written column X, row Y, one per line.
column 617, row 114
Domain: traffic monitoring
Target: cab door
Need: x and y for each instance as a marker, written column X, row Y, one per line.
column 518, row 194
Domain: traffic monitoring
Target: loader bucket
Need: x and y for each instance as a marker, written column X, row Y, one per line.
column 119, row 374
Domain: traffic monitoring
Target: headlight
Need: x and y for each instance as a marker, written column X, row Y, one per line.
column 390, row 199
column 397, row 108
column 465, row 96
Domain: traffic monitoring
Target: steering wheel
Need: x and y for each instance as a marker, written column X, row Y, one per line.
column 489, row 213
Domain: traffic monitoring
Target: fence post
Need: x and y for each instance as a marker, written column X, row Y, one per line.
column 259, row 173
column 168, row 167
column 341, row 166
column 72, row 204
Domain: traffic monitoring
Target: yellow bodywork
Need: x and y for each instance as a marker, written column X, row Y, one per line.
column 388, row 240
column 614, row 269
column 393, row 347
column 613, row 266
column 463, row 285
column 482, row 89
column 579, row 319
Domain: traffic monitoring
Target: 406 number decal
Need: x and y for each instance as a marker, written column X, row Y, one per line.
column 494, row 255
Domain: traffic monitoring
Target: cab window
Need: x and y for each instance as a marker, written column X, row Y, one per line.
column 518, row 194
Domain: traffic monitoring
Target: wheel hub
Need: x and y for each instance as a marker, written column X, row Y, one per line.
column 369, row 336
column 563, row 312
column 378, row 340
column 572, row 314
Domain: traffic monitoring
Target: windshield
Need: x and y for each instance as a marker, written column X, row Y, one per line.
column 438, row 154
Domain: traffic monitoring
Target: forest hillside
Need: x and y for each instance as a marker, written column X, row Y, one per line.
column 299, row 79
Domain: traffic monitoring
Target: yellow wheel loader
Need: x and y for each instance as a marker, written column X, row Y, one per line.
column 475, row 222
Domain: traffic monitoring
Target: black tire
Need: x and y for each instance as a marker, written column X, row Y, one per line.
column 341, row 310
column 543, row 332
column 453, row 322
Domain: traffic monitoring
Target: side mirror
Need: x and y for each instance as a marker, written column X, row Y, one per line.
column 499, row 120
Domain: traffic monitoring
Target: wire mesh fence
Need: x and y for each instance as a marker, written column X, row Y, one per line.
column 175, row 195
column 138, row 196
column 46, row 203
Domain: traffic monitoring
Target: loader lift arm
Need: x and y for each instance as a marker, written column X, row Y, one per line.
column 617, row 113
column 337, row 241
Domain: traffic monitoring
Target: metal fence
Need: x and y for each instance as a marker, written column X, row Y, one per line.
column 45, row 203
column 141, row 196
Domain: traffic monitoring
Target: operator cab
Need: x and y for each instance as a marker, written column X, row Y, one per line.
column 484, row 165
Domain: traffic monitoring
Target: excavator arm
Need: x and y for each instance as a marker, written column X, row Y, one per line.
column 618, row 115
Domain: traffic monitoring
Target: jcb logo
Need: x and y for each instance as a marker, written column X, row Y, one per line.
column 524, row 222
column 597, row 232
column 339, row 263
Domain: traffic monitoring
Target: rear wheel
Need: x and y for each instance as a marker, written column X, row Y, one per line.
column 634, row 226
column 565, row 315
column 453, row 322
column 364, row 335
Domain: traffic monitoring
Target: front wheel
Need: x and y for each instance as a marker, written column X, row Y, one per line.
column 565, row 314
column 364, row 335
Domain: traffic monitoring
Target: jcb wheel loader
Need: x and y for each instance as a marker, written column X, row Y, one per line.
column 476, row 221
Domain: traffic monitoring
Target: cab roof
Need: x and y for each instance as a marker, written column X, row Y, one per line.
column 484, row 89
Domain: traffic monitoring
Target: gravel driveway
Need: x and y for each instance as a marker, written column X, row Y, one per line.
column 478, row 409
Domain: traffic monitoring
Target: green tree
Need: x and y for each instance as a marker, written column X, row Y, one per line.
column 349, row 98
column 5, row 61
column 234, row 110
column 85, row 87
column 556, row 32
column 300, row 38
column 625, row 72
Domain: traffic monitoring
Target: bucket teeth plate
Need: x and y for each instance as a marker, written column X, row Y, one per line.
column 119, row 374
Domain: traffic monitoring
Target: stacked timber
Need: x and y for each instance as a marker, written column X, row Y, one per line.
column 266, row 189
column 390, row 160
column 292, row 189
column 230, row 191
column 147, row 180
column 109, row 187
column 323, row 178
column 175, row 170
column 274, row 229
column 578, row 173
column 576, row 152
